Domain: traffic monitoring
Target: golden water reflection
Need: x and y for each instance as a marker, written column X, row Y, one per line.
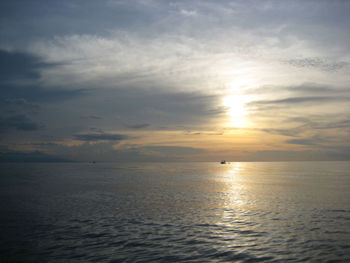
column 262, row 186
column 250, row 186
column 235, row 184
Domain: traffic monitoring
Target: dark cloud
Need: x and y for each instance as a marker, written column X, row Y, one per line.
column 19, row 122
column 300, row 100
column 40, row 19
column 315, row 124
column 321, row 122
column 44, row 144
column 39, row 94
column 286, row 132
column 340, row 124
column 313, row 88
column 19, row 79
column 159, row 107
column 192, row 133
column 297, row 97
column 18, row 65
column 311, row 21
column 203, row 133
column 17, row 107
column 308, row 141
column 138, row 126
column 100, row 137
column 305, row 89
column 318, row 63
column 22, row 104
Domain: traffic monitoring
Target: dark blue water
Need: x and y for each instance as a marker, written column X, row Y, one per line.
column 181, row 212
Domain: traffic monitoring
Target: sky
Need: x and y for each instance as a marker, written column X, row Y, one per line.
column 152, row 80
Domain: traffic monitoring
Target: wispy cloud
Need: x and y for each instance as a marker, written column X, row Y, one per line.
column 19, row 122
column 138, row 126
column 306, row 141
column 317, row 63
column 298, row 100
column 100, row 137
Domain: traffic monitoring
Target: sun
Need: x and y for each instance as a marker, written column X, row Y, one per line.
column 236, row 100
column 236, row 110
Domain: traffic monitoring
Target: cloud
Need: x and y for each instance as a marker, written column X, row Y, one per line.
column 139, row 108
column 44, row 144
column 308, row 141
column 18, row 65
column 22, row 104
column 318, row 63
column 20, row 79
column 138, row 126
column 19, row 122
column 321, row 122
column 300, row 100
column 100, row 137
column 286, row 132
column 309, row 89
column 17, row 106
column 317, row 89
column 213, row 133
column 40, row 94
column 189, row 13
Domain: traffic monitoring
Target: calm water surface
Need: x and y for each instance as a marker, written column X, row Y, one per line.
column 184, row 212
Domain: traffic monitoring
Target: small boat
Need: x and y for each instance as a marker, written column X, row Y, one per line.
column 223, row 162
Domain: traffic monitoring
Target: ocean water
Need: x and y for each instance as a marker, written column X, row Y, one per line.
column 175, row 212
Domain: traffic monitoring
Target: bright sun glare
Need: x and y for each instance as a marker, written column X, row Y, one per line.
column 236, row 110
column 236, row 102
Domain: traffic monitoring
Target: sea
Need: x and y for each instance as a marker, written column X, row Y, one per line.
column 175, row 212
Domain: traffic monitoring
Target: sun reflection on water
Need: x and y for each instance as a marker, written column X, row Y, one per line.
column 235, row 184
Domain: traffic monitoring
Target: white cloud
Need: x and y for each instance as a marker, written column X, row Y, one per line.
column 181, row 61
column 188, row 12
